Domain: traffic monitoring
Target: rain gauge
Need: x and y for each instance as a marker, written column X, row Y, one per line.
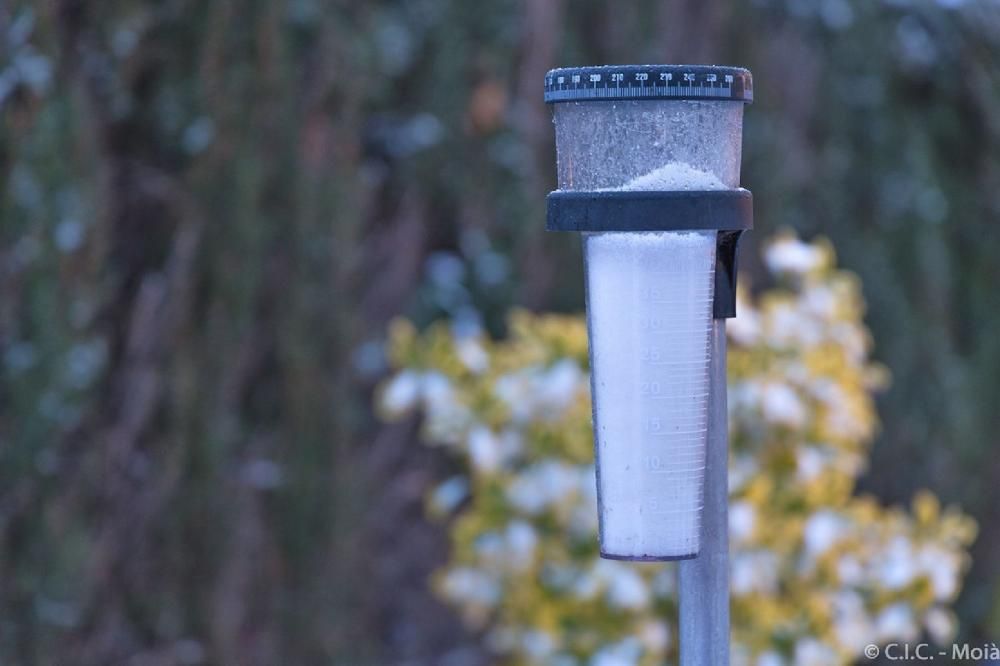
column 648, row 161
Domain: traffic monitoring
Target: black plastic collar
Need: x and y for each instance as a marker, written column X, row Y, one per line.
column 573, row 210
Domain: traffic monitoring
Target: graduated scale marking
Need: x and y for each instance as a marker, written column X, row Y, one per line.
column 639, row 84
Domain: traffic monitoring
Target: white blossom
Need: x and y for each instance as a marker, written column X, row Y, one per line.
column 745, row 327
column 943, row 568
column 819, row 300
column 538, row 644
column 623, row 587
column 788, row 326
column 838, row 416
column 897, row 565
column 521, row 541
column 437, row 391
column 446, row 497
column 940, row 625
column 770, row 658
column 541, row 392
column 655, row 635
column 623, row 653
column 470, row 351
column 811, row 652
column 742, row 518
column 626, row 589
column 790, row 255
column 781, row 404
column 485, row 450
column 446, row 416
column 822, row 530
column 851, row 624
column 471, row 585
column 755, row 571
column 809, row 463
column 742, row 469
column 850, row 571
column 542, row 485
column 897, row 622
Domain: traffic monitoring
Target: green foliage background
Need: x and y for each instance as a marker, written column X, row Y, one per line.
column 210, row 211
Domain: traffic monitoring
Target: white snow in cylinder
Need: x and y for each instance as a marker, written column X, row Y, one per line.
column 649, row 300
column 672, row 176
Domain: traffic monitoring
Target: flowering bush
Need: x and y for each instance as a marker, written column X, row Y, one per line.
column 816, row 572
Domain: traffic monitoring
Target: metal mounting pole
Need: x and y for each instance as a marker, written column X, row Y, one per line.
column 704, row 581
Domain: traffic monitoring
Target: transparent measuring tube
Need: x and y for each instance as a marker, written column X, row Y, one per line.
column 649, row 307
column 649, row 313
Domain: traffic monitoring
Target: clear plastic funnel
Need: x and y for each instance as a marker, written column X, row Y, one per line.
column 649, row 312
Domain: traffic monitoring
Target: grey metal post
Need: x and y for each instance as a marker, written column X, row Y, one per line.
column 704, row 580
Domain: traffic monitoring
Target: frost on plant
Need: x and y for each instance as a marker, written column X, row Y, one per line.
column 817, row 573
